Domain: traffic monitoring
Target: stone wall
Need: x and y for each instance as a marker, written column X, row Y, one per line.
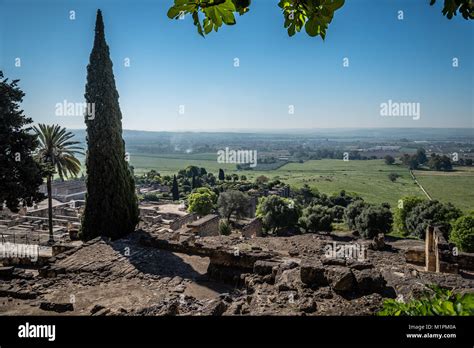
column 440, row 256
column 205, row 226
column 183, row 221
column 253, row 229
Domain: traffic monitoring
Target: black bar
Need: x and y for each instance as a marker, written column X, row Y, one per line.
column 289, row 331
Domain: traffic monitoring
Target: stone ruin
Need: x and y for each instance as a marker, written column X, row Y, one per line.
column 177, row 264
column 438, row 255
column 65, row 191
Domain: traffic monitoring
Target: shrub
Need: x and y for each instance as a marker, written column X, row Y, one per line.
column 207, row 190
column 224, row 227
column 200, row 203
column 342, row 199
column 432, row 213
column 352, row 212
column 277, row 213
column 152, row 197
column 462, row 234
column 233, row 202
column 337, row 212
column 316, row 218
column 393, row 176
column 389, row 160
column 374, row 220
column 405, row 205
column 442, row 302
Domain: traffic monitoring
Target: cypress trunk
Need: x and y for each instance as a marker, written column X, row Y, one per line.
column 111, row 204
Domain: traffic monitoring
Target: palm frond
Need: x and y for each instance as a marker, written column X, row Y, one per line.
column 56, row 148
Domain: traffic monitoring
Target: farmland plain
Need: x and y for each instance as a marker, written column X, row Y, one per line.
column 369, row 179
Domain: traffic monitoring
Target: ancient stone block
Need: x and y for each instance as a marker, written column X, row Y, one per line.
column 369, row 281
column 340, row 278
column 312, row 273
column 56, row 307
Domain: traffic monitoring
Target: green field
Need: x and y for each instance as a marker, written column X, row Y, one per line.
column 171, row 164
column 369, row 179
column 456, row 187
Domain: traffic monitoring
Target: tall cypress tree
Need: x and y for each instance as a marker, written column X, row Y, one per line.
column 175, row 189
column 111, row 204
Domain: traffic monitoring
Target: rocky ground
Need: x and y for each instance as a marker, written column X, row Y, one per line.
column 153, row 274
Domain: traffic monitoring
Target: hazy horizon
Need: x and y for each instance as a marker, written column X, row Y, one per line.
column 301, row 129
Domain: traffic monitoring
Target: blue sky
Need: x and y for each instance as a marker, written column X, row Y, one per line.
column 407, row 60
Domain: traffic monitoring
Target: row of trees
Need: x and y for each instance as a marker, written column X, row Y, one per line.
column 186, row 181
column 315, row 212
column 434, row 162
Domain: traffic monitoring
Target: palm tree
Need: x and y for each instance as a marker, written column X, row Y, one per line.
column 57, row 151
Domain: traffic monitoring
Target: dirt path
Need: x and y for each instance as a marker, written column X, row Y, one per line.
column 420, row 186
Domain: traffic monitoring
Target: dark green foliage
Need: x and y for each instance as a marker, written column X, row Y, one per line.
column 20, row 174
column 221, row 175
column 192, row 171
column 438, row 301
column 233, row 202
column 432, row 213
column 111, row 204
column 57, row 151
column 195, row 182
column 393, row 177
column 462, row 234
column 374, row 220
column 277, row 213
column 405, row 205
column 175, row 189
column 337, row 212
column 410, row 161
column 316, row 218
column 352, row 212
column 151, row 197
column 216, row 12
column 389, row 160
column 421, row 156
column 451, row 7
column 314, row 15
column 305, row 194
column 441, row 163
column 224, row 227
column 341, row 199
